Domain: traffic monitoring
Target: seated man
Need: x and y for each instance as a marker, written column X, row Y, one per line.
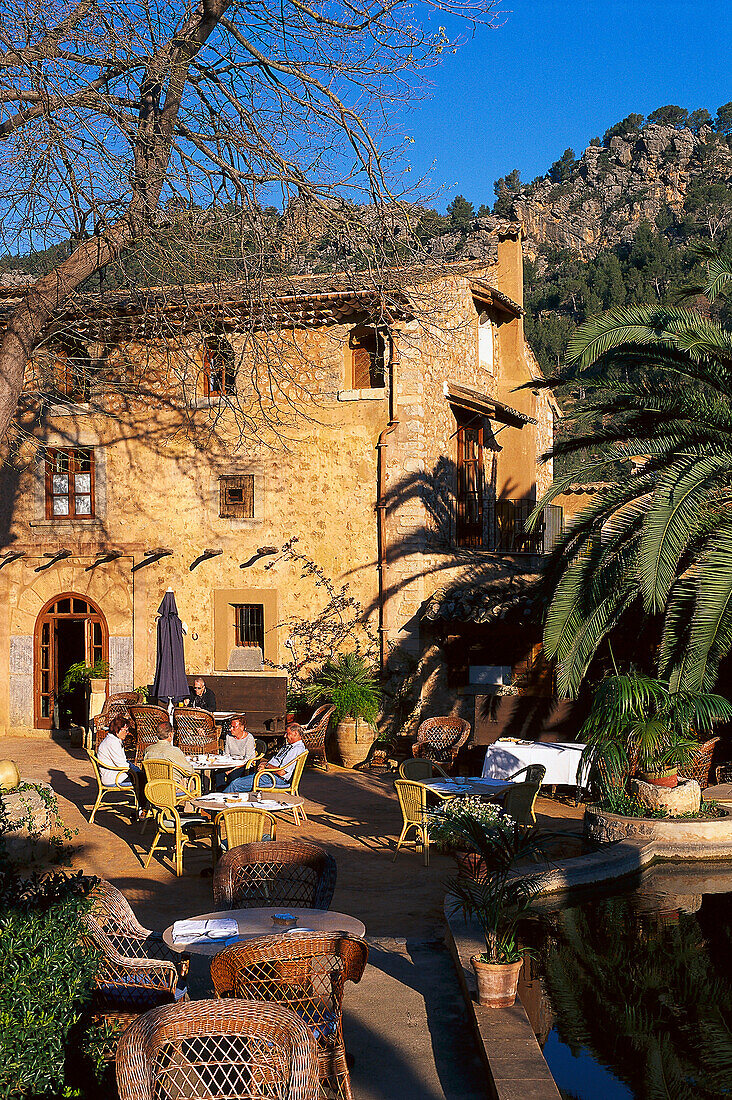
column 282, row 764
column 200, row 697
column 240, row 744
column 112, row 752
column 166, row 750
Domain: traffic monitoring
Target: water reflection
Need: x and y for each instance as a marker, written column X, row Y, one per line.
column 631, row 995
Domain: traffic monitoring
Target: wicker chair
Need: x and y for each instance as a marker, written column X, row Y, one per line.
column 701, row 763
column 111, row 911
column 187, row 783
column 413, row 801
column 125, row 986
column 518, row 802
column 146, row 721
column 195, row 731
column 314, row 733
column 419, row 768
column 115, row 705
column 243, row 825
column 305, row 971
column 122, row 786
column 284, row 872
column 213, row 1050
column 293, row 788
column 532, row 773
column 164, row 799
column 440, row 739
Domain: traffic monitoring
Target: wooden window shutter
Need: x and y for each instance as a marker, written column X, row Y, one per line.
column 236, row 496
column 362, row 364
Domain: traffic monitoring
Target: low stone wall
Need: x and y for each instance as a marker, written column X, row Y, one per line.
column 672, row 838
column 31, row 821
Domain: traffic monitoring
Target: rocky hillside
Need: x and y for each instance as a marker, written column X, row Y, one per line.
column 611, row 190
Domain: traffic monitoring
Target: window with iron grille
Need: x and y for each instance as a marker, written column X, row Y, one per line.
column 249, row 624
column 219, row 367
column 69, row 482
column 236, row 496
column 367, row 359
column 469, row 487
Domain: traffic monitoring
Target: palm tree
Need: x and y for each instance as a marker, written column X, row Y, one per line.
column 656, row 421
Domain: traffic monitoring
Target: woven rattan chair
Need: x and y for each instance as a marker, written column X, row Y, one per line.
column 125, row 986
column 305, row 971
column 293, row 788
column 440, row 739
column 115, row 705
column 420, row 768
column 283, row 872
column 314, row 733
column 413, row 801
column 700, row 764
column 243, row 825
column 165, row 801
column 113, row 914
column 146, row 721
column 218, row 1050
column 532, row 773
column 195, row 731
column 518, row 802
column 188, row 784
column 122, row 785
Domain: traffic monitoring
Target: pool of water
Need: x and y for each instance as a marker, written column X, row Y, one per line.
column 630, row 994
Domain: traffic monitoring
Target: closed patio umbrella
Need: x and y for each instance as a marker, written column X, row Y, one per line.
column 170, row 667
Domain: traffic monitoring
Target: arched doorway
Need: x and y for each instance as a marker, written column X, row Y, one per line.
column 70, row 628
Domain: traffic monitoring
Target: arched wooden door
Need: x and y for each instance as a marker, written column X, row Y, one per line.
column 70, row 628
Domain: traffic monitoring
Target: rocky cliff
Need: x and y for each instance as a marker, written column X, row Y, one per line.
column 611, row 190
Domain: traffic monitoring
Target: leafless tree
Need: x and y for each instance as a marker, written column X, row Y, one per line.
column 125, row 123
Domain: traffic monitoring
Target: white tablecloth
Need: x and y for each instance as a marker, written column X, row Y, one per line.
column 561, row 760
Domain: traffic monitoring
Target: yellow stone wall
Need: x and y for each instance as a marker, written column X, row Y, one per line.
column 157, row 487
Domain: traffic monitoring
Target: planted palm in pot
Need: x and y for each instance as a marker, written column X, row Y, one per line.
column 492, row 892
column 637, row 726
column 349, row 682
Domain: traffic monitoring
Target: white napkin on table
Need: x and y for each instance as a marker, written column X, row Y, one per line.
column 195, row 931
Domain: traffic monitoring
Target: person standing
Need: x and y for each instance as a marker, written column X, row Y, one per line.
column 201, row 697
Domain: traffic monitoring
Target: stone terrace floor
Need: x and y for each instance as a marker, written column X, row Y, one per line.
column 405, row 1022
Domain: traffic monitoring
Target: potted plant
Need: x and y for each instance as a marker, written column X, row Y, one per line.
column 81, row 674
column 349, row 682
column 638, row 726
column 497, row 897
column 445, row 824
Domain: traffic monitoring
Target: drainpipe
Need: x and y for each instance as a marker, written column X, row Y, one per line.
column 381, row 466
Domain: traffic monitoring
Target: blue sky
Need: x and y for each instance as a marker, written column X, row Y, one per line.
column 557, row 73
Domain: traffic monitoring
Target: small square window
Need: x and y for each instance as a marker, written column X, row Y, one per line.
column 236, row 496
column 69, row 483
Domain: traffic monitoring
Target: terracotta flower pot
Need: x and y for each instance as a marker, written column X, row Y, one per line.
column 497, row 982
column 98, row 686
column 668, row 777
column 471, row 864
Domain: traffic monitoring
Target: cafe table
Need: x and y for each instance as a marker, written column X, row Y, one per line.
column 259, row 922
column 216, row 803
column 467, row 787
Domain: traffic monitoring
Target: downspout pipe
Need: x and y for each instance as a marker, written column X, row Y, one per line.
column 381, row 469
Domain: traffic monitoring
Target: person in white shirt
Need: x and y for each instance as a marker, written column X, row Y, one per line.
column 282, row 764
column 112, row 752
column 240, row 744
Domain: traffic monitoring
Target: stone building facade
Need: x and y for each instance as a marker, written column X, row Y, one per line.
column 378, row 424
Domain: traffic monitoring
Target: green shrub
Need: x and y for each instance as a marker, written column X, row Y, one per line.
column 50, row 1045
column 350, row 683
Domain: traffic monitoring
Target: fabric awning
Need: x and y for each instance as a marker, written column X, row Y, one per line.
column 462, row 398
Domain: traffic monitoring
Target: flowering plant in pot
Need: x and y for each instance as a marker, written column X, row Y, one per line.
column 445, row 822
column 638, row 726
column 497, row 896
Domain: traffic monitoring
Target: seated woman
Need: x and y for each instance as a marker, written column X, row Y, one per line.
column 282, row 764
column 112, row 752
